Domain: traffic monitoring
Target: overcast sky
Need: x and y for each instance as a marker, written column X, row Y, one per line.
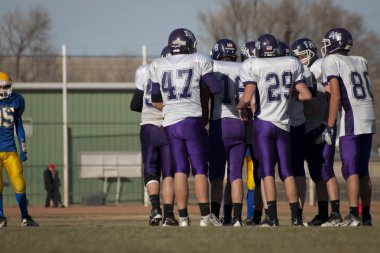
column 111, row 27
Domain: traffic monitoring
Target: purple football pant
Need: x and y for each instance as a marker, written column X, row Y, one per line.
column 355, row 151
column 319, row 157
column 297, row 140
column 188, row 140
column 227, row 143
column 272, row 145
column 156, row 153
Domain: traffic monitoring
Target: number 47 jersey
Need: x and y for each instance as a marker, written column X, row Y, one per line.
column 179, row 78
column 357, row 116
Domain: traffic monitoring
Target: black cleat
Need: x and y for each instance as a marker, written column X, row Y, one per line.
column 155, row 217
column 170, row 222
column 28, row 222
column 226, row 221
column 269, row 223
column 253, row 221
column 317, row 220
column 3, row 221
column 297, row 222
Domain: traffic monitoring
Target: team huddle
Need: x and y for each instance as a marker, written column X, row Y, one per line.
column 281, row 104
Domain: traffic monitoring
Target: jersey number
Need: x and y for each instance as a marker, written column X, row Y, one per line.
column 170, row 89
column 275, row 86
column 358, row 88
column 6, row 117
column 225, row 80
column 148, row 102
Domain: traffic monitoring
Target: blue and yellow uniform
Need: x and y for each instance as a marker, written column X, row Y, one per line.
column 12, row 106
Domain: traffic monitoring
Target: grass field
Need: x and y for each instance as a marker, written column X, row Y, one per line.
column 125, row 229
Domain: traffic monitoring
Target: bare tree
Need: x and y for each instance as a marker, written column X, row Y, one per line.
column 25, row 34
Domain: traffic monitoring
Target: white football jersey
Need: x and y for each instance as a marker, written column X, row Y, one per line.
column 274, row 79
column 149, row 114
column 225, row 103
column 315, row 120
column 179, row 78
column 357, row 108
column 295, row 110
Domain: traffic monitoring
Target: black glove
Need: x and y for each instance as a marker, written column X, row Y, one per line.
column 325, row 133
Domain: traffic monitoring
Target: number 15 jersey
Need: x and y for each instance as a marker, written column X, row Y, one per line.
column 357, row 116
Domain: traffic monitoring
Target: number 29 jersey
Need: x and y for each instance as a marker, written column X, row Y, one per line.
column 179, row 78
column 357, row 114
column 11, row 109
column 274, row 78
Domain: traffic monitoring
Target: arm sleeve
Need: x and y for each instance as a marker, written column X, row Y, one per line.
column 246, row 74
column 19, row 126
column 137, row 101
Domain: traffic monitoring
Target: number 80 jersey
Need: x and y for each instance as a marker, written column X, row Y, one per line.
column 11, row 109
column 357, row 116
column 179, row 78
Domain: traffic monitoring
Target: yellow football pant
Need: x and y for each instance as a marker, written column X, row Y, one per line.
column 14, row 169
column 250, row 176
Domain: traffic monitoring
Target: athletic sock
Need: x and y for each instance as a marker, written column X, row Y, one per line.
column 227, row 211
column 215, row 208
column 335, row 204
column 257, row 214
column 366, row 212
column 250, row 203
column 155, row 201
column 1, row 205
column 204, row 208
column 294, row 210
column 300, row 212
column 266, row 213
column 323, row 209
column 237, row 209
column 168, row 210
column 21, row 200
column 183, row 213
column 272, row 210
column 354, row 211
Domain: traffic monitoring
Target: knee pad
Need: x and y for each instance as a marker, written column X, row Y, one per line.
column 151, row 178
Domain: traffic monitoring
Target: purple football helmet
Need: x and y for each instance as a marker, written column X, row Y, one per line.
column 335, row 40
column 247, row 50
column 266, row 46
column 305, row 50
column 182, row 41
column 283, row 49
column 165, row 52
column 224, row 48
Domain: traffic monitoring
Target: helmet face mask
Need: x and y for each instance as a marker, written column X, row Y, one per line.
column 224, row 50
column 5, row 85
column 182, row 41
column 335, row 40
column 305, row 50
column 248, row 50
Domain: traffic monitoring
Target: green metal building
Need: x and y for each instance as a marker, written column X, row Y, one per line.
column 99, row 119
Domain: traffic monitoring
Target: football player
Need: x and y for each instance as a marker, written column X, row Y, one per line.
column 176, row 91
column 268, row 82
column 12, row 106
column 157, row 158
column 346, row 78
column 254, row 198
column 227, row 131
column 319, row 157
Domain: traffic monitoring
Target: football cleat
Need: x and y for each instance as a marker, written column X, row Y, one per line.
column 226, row 221
column 237, row 222
column 28, row 222
column 297, row 222
column 335, row 220
column 184, row 221
column 3, row 222
column 351, row 221
column 365, row 222
column 210, row 220
column 253, row 221
column 317, row 221
column 155, row 217
column 269, row 223
column 170, row 222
